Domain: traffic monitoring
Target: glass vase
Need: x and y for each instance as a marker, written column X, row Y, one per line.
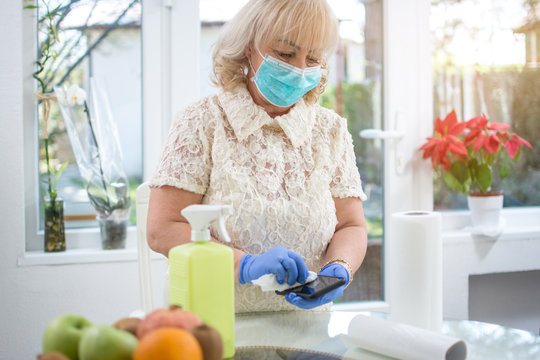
column 54, row 238
column 113, row 229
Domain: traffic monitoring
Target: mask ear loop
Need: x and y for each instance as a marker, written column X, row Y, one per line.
column 251, row 66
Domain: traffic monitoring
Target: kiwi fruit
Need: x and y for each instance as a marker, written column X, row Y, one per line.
column 52, row 355
column 210, row 341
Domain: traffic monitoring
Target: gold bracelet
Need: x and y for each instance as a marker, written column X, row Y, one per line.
column 346, row 265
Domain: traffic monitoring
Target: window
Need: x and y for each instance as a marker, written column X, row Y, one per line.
column 486, row 60
column 102, row 40
column 143, row 113
column 355, row 92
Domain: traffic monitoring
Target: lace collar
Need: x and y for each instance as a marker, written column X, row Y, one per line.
column 246, row 117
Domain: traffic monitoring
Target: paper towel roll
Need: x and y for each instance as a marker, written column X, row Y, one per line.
column 415, row 269
column 402, row 341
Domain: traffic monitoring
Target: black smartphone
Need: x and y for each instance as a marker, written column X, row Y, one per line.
column 322, row 285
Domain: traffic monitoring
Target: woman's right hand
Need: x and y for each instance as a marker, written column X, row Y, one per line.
column 280, row 261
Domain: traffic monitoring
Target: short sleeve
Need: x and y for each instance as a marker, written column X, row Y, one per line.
column 185, row 160
column 346, row 178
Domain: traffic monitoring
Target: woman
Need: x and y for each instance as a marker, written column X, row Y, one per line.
column 264, row 145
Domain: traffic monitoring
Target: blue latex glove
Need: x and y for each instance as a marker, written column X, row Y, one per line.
column 336, row 270
column 279, row 260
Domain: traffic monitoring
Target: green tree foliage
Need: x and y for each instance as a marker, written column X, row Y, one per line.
column 357, row 108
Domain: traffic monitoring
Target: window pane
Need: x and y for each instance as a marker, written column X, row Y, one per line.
column 355, row 92
column 99, row 39
column 486, row 60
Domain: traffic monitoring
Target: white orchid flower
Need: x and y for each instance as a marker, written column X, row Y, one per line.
column 76, row 95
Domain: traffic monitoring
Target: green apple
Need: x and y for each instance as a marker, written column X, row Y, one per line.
column 63, row 333
column 104, row 342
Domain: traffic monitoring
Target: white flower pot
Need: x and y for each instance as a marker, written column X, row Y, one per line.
column 486, row 213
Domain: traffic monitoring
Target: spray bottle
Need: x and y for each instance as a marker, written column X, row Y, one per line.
column 202, row 272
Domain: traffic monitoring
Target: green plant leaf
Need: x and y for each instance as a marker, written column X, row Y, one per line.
column 483, row 177
column 52, row 170
column 460, row 171
column 516, row 157
column 58, row 173
column 504, row 169
column 453, row 183
column 490, row 157
column 472, row 164
column 55, row 33
column 504, row 165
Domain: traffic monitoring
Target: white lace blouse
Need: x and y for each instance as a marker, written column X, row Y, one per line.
column 279, row 174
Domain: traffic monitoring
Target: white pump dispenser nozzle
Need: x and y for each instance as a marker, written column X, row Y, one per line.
column 200, row 217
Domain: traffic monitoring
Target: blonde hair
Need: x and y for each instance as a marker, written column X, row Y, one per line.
column 308, row 23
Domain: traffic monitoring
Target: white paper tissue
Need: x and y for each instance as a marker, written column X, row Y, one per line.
column 268, row 282
column 402, row 341
column 415, row 269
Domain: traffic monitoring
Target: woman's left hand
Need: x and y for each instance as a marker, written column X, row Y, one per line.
column 336, row 270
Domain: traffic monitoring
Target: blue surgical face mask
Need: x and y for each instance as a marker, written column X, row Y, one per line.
column 283, row 84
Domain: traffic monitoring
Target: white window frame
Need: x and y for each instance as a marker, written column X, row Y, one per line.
column 169, row 27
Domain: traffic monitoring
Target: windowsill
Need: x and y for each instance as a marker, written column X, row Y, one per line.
column 78, row 253
column 81, row 256
column 77, row 256
column 519, row 223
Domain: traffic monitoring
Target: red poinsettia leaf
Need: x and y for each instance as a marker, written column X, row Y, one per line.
column 471, row 136
column 439, row 126
column 445, row 162
column 450, row 120
column 479, row 142
column 521, row 141
column 473, row 123
column 511, row 148
column 498, row 126
column 483, row 121
column 492, row 144
column 427, row 152
column 440, row 153
column 457, row 128
column 429, row 144
column 457, row 148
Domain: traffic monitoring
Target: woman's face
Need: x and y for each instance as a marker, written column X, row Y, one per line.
column 286, row 51
column 289, row 52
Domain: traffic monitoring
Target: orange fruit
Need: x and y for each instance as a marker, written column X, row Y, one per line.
column 168, row 343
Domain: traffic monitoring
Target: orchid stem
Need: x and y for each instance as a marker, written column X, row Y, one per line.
column 98, row 154
column 46, row 140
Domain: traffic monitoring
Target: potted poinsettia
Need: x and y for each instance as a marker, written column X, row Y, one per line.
column 466, row 154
